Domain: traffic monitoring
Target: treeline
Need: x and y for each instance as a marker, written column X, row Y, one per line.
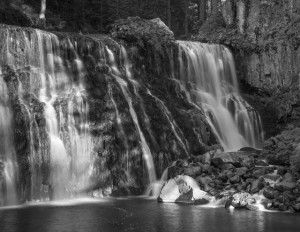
column 93, row 16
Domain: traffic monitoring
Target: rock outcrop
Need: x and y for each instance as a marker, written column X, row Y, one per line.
column 265, row 38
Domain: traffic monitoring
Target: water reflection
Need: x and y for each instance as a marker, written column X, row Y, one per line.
column 140, row 215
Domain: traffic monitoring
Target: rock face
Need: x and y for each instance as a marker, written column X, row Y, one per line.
column 264, row 36
column 182, row 189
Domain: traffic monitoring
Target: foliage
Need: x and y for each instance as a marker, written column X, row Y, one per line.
column 93, row 16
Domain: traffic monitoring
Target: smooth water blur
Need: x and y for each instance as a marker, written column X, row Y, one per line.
column 207, row 75
column 140, row 215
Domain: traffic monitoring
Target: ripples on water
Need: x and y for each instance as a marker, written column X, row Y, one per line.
column 138, row 214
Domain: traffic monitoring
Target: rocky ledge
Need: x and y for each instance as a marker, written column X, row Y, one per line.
column 244, row 179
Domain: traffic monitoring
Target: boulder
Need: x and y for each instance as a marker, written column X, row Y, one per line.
column 261, row 163
column 235, row 179
column 288, row 177
column 241, row 171
column 295, row 158
column 204, row 182
column 182, row 189
column 241, row 200
column 296, row 207
column 271, row 179
column 238, row 159
column 220, row 158
column 281, row 171
column 174, row 171
column 266, row 203
column 270, row 193
column 256, row 186
column 206, row 158
column 282, row 207
column 283, row 186
column 192, row 171
column 227, row 167
column 162, row 25
column 281, row 158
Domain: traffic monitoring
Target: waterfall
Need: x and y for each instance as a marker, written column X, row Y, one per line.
column 54, row 141
column 123, row 85
column 8, row 162
column 56, row 82
column 207, row 74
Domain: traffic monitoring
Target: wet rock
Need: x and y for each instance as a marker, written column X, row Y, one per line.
column 235, row 179
column 223, row 177
column 192, row 171
column 282, row 158
column 227, row 167
column 288, row 177
column 271, row 179
column 174, row 171
column 241, row 200
column 261, row 163
column 295, row 158
column 219, row 158
column 204, row 182
column 296, row 207
column 271, row 193
column 267, row 203
column 202, row 201
column 283, row 186
column 241, row 171
column 256, row 186
column 206, row 158
column 181, row 189
column 281, row 171
column 282, row 207
column 253, row 207
column 261, row 171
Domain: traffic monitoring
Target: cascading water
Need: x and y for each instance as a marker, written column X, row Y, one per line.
column 123, row 85
column 58, row 85
column 207, row 74
column 56, row 151
column 8, row 164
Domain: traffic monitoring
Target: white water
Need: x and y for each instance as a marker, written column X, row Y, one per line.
column 145, row 148
column 207, row 75
column 59, row 86
column 8, row 164
column 70, row 142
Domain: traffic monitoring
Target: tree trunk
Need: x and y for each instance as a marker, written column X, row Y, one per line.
column 7, row 3
column 186, row 16
column 202, row 15
column 169, row 13
column 214, row 6
column 43, row 9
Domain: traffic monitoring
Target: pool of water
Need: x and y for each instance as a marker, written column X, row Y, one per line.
column 139, row 214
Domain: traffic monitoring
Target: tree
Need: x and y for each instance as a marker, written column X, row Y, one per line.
column 169, row 13
column 202, row 5
column 43, row 9
column 215, row 6
column 186, row 16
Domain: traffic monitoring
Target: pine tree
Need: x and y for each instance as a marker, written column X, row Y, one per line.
column 202, row 15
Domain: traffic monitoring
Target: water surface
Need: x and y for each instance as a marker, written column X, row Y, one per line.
column 139, row 215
